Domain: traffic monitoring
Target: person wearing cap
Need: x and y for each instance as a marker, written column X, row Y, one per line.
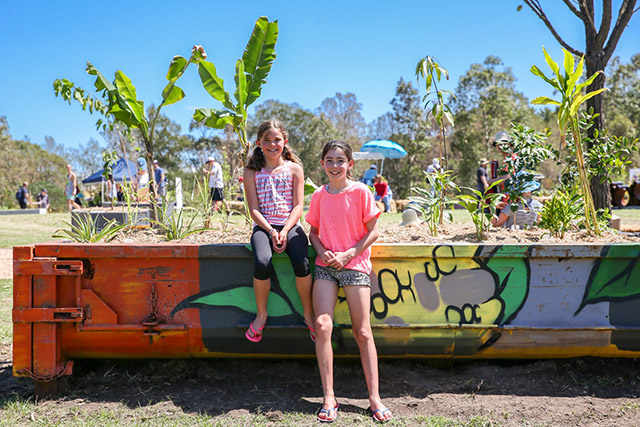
column 141, row 180
column 216, row 184
column 434, row 167
column 43, row 199
column 528, row 213
column 369, row 174
column 160, row 179
column 482, row 176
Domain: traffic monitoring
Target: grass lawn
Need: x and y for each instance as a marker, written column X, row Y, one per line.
column 26, row 229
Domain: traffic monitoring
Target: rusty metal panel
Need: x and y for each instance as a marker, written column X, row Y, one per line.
column 459, row 301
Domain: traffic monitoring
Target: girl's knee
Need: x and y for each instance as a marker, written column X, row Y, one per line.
column 363, row 335
column 324, row 325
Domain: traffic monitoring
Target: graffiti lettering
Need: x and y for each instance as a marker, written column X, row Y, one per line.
column 384, row 298
column 468, row 314
column 437, row 251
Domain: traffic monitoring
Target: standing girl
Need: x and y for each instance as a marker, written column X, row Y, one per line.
column 274, row 187
column 344, row 223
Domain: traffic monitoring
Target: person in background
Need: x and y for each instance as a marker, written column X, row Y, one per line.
column 382, row 192
column 80, row 199
column 216, row 183
column 112, row 193
column 433, row 168
column 23, row 196
column 43, row 199
column 141, row 180
column 70, row 189
column 482, row 176
column 119, row 193
column 528, row 213
column 160, row 179
column 369, row 174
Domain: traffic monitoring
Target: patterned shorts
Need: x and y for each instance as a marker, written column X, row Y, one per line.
column 342, row 277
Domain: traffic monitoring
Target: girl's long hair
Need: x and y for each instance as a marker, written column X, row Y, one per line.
column 339, row 145
column 256, row 160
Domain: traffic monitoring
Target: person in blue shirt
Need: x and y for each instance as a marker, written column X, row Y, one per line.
column 370, row 174
column 159, row 178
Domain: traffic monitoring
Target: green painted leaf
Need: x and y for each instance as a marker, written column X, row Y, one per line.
column 571, row 83
column 258, row 57
column 613, row 277
column 213, row 84
column 513, row 278
column 244, row 299
column 176, row 67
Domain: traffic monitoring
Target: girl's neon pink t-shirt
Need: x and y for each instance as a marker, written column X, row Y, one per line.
column 341, row 221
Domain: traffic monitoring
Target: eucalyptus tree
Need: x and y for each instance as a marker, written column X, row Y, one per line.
column 600, row 43
column 308, row 132
column 622, row 100
column 412, row 132
column 345, row 113
column 486, row 102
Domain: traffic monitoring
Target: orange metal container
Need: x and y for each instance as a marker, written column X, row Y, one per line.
column 75, row 301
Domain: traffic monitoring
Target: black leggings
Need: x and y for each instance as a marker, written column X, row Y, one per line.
column 297, row 247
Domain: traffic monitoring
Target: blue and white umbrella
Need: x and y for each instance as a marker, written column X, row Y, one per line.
column 389, row 149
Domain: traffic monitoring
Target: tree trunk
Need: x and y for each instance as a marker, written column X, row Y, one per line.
column 600, row 189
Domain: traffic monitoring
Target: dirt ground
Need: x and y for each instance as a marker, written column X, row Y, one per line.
column 571, row 392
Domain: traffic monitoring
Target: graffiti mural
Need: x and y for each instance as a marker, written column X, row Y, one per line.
column 446, row 299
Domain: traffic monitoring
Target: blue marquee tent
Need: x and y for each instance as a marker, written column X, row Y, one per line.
column 120, row 171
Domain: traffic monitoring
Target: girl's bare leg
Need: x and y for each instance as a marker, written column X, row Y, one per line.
column 325, row 295
column 261, row 288
column 359, row 300
column 304, row 285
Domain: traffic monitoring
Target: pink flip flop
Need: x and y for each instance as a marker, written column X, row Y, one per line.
column 257, row 335
column 311, row 332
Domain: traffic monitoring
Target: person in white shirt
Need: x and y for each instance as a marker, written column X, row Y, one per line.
column 216, row 184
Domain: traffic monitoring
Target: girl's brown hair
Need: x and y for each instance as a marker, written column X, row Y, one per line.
column 339, row 145
column 256, row 160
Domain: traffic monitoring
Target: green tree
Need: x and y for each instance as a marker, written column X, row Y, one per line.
column 622, row 100
column 25, row 161
column 487, row 102
column 412, row 130
column 600, row 43
column 307, row 133
column 344, row 112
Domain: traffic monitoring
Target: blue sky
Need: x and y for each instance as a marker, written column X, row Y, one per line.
column 324, row 47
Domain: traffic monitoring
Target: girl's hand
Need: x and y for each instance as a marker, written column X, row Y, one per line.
column 327, row 257
column 279, row 241
column 340, row 260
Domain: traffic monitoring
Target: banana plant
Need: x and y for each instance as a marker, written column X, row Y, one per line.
column 566, row 83
column 121, row 106
column 250, row 75
column 432, row 72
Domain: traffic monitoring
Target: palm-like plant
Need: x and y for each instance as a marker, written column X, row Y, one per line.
column 566, row 83
column 251, row 74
